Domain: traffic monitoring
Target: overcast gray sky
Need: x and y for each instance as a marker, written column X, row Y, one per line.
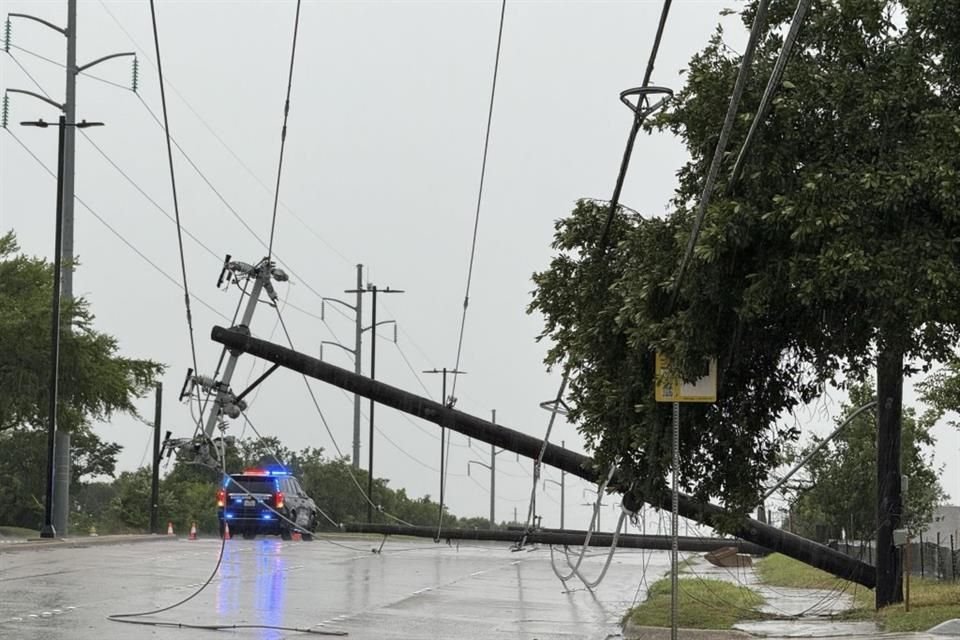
column 382, row 165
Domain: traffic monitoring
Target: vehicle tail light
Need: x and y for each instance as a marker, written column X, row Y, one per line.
column 221, row 497
column 278, row 499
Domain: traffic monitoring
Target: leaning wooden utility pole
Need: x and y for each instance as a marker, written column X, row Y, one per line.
column 889, row 499
column 806, row 551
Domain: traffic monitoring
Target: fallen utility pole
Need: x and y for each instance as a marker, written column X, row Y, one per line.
column 561, row 537
column 794, row 546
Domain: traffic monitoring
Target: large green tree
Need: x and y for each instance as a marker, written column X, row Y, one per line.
column 842, row 484
column 95, row 380
column 941, row 391
column 95, row 383
column 836, row 253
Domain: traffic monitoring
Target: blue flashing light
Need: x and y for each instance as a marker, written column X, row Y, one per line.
column 267, row 516
column 229, row 515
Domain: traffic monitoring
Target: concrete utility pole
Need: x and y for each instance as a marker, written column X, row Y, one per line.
column 61, row 496
column 447, row 402
column 806, row 551
column 372, row 288
column 356, row 352
column 493, row 473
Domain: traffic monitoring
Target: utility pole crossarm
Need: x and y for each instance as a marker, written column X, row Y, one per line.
column 125, row 54
column 60, row 30
column 57, row 105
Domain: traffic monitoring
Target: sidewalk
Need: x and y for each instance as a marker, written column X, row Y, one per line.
column 804, row 613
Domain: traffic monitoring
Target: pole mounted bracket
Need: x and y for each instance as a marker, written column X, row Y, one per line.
column 224, row 272
column 644, row 105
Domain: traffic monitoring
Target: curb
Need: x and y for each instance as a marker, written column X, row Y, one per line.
column 637, row 632
column 34, row 544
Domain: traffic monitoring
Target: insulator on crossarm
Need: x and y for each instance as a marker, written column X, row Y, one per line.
column 7, row 30
column 136, row 73
column 6, row 110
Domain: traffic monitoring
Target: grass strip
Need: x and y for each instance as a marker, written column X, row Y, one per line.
column 705, row 603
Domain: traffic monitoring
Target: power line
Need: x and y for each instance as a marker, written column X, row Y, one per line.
column 223, row 143
column 140, row 189
column 200, row 172
column 227, row 204
column 326, row 426
column 774, row 81
column 173, row 186
column 116, row 233
column 283, row 132
column 445, row 453
column 156, row 205
column 63, row 66
column 638, row 118
column 483, row 172
column 741, row 82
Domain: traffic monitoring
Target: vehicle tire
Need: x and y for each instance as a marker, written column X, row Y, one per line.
column 285, row 534
column 311, row 527
column 249, row 534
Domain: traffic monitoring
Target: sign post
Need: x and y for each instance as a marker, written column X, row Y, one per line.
column 670, row 388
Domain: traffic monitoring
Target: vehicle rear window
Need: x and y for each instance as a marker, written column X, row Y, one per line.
column 253, row 484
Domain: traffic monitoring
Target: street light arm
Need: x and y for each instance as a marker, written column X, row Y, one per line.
column 37, row 96
column 769, row 492
column 336, row 344
column 338, row 301
column 382, row 322
column 549, row 480
column 40, row 20
column 482, row 464
column 104, row 59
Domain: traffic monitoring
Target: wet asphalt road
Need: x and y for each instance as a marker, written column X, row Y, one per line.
column 414, row 589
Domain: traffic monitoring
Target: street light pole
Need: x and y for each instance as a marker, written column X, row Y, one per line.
column 66, row 170
column 48, row 530
column 155, row 475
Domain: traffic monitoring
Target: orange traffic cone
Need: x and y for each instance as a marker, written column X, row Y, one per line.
column 193, row 532
column 169, row 528
column 297, row 536
column 226, row 530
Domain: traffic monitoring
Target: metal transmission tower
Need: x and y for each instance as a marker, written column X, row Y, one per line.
column 372, row 289
column 447, row 402
column 61, row 495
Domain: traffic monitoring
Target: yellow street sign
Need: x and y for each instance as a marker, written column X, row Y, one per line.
column 671, row 389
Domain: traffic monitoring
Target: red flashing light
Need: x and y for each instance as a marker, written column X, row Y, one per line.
column 278, row 499
column 221, row 497
column 255, row 472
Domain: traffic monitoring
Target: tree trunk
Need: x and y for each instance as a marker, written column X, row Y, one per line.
column 889, row 500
